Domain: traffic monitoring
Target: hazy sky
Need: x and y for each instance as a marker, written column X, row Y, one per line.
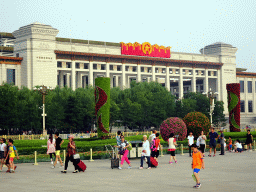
column 185, row 25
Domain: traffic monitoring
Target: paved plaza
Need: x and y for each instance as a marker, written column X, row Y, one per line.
column 232, row 172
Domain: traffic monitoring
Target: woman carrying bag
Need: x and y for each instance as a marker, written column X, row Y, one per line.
column 70, row 155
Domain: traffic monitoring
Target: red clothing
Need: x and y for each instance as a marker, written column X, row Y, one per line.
column 71, row 151
column 157, row 142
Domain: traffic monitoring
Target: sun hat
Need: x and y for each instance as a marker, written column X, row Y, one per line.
column 71, row 136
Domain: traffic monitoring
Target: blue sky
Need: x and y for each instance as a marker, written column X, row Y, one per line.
column 185, row 25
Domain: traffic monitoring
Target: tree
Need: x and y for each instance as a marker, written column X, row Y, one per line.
column 218, row 117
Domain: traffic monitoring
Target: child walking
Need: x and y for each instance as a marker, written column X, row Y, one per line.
column 230, row 144
column 11, row 155
column 197, row 164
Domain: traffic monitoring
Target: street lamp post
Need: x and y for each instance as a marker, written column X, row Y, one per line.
column 43, row 90
column 211, row 96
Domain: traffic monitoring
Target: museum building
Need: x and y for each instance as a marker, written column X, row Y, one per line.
column 33, row 55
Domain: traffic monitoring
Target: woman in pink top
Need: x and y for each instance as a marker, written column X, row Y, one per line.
column 51, row 147
column 172, row 148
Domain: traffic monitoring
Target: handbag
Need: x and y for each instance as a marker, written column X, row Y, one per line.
column 76, row 156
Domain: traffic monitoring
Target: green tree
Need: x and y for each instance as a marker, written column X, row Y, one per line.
column 218, row 117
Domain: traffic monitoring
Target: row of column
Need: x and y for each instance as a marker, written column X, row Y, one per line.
column 123, row 83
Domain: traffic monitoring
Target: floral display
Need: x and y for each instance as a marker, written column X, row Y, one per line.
column 173, row 125
column 197, row 122
column 102, row 105
column 234, row 106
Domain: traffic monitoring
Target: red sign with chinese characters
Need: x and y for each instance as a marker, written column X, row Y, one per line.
column 145, row 49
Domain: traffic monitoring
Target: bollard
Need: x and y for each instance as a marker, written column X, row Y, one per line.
column 181, row 146
column 254, row 146
column 64, row 158
column 137, row 133
column 161, row 151
column 91, row 155
column 19, row 137
column 35, row 158
column 32, row 137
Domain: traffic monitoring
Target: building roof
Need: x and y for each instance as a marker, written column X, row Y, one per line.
column 10, row 60
column 245, row 74
column 6, row 35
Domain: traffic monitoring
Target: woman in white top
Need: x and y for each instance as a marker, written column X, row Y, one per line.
column 202, row 139
column 145, row 152
column 190, row 142
column 172, row 143
column 3, row 152
column 51, row 147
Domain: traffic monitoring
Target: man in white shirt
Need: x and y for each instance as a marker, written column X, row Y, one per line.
column 190, row 142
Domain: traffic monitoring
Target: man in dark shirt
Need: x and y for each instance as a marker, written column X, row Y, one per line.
column 58, row 144
column 222, row 142
column 213, row 135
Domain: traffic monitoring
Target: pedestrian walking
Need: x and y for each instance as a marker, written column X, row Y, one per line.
column 124, row 151
column 152, row 137
column 197, row 164
column 145, row 152
column 11, row 155
column 172, row 147
column 222, row 142
column 202, row 142
column 58, row 144
column 155, row 153
column 118, row 142
column 3, row 152
column 51, row 147
column 7, row 163
column 71, row 151
column 249, row 139
column 213, row 135
column 190, row 142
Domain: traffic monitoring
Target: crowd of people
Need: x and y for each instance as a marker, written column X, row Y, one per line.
column 150, row 150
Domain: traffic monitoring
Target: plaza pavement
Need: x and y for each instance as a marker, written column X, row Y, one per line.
column 232, row 172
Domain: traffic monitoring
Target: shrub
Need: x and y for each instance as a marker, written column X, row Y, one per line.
column 173, row 125
column 197, row 122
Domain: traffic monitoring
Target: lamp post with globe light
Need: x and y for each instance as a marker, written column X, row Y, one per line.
column 211, row 96
column 43, row 90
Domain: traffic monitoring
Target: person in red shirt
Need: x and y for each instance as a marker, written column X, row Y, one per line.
column 155, row 154
column 197, row 164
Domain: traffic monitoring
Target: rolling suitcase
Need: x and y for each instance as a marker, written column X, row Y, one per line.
column 114, row 159
column 82, row 166
column 153, row 162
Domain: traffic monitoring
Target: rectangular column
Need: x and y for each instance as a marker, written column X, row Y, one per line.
column 61, row 79
column 206, row 81
column 68, row 79
column 148, row 79
column 246, row 96
column 4, row 74
column 91, row 73
column 153, row 73
column 218, row 85
column 193, row 81
column 107, row 70
column 117, row 82
column 73, row 75
column 123, row 79
column 253, row 94
column 181, row 84
column 167, row 79
column 80, row 79
column 138, row 79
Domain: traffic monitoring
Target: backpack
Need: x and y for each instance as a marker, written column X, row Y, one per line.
column 130, row 146
column 153, row 145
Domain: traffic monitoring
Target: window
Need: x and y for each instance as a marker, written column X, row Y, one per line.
column 68, row 65
column 94, row 66
column 170, row 71
column 196, row 72
column 202, row 87
column 134, row 69
column 250, row 109
column 86, row 65
column 111, row 67
column 177, row 71
column 242, row 106
column 190, row 72
column 142, row 69
column 17, row 55
column 126, row 68
column 150, row 70
column 209, row 73
column 183, row 71
column 11, row 76
column 249, row 83
column 202, row 72
column 156, row 70
column 77, row 65
column 215, row 73
column 103, row 67
column 118, row 68
column 163, row 71
column 242, row 86
column 59, row 64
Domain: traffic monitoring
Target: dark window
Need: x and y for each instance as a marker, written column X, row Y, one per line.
column 150, row 70
column 94, row 66
column 242, row 106
column 111, row 67
column 118, row 68
column 202, row 87
column 11, row 76
column 68, row 65
column 126, row 68
column 59, row 64
column 142, row 69
column 78, row 65
column 86, row 65
column 242, row 86
column 250, row 108
column 156, row 70
column 17, row 55
column 215, row 73
column 134, row 69
column 249, row 83
column 103, row 67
